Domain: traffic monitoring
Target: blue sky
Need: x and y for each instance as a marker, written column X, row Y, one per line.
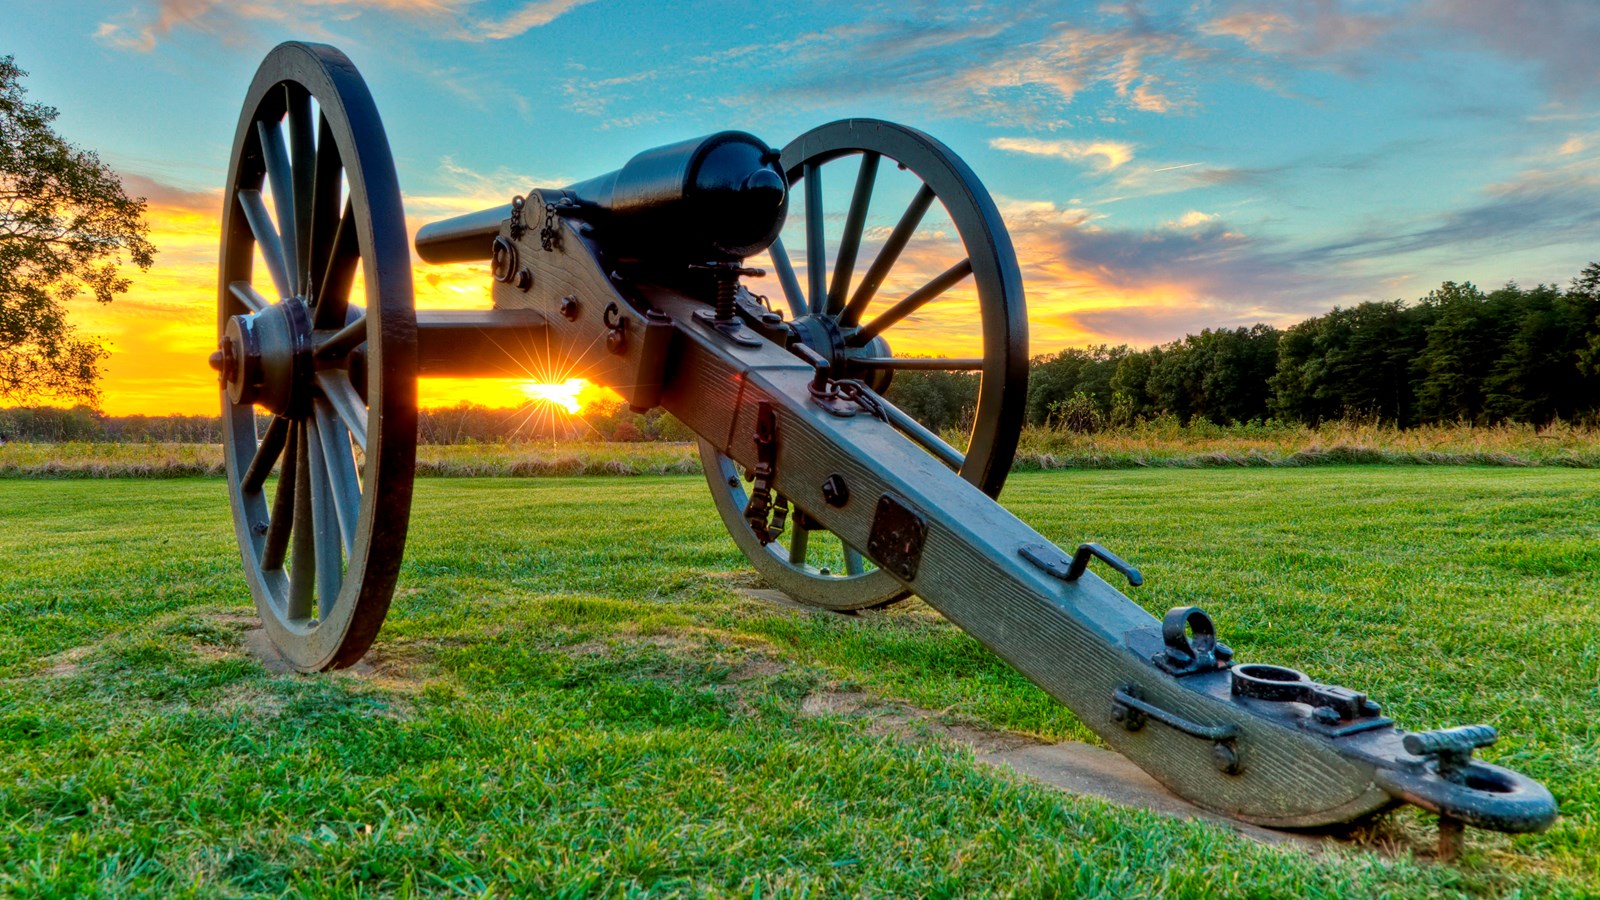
column 1162, row 166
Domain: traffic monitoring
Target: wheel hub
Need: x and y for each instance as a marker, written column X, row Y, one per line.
column 823, row 334
column 265, row 358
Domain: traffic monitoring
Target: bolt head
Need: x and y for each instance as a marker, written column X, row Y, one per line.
column 1225, row 758
column 569, row 308
column 524, row 279
column 1327, row 715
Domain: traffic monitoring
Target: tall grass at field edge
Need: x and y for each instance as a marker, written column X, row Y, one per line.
column 1159, row 443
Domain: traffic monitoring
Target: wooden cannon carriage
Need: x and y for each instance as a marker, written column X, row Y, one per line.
column 638, row 272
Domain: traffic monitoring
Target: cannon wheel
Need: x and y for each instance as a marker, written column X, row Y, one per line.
column 332, row 385
column 792, row 563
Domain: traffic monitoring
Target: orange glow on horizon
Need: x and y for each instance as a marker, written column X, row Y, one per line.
column 563, row 395
column 162, row 330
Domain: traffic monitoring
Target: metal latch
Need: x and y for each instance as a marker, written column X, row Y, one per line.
column 1129, row 707
column 1055, row 563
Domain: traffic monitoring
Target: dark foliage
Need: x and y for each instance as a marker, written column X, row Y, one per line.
column 66, row 226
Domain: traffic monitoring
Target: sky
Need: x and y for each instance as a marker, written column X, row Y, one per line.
column 1162, row 167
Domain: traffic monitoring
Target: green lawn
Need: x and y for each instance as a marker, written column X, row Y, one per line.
column 571, row 699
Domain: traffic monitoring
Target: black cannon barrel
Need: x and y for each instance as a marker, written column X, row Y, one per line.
column 719, row 197
column 467, row 238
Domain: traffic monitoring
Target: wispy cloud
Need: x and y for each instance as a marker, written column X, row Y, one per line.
column 1030, row 66
column 1101, row 155
column 135, row 31
column 528, row 17
column 1556, row 38
column 1540, row 207
column 142, row 28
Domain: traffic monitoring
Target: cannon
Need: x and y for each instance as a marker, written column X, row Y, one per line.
column 837, row 497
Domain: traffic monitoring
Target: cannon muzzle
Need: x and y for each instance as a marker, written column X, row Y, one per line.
column 720, row 197
column 467, row 238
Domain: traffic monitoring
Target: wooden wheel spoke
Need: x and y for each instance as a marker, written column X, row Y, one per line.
column 266, row 456
column 276, row 545
column 326, row 545
column 255, row 212
column 850, row 241
column 339, row 463
column 302, row 600
column 853, row 564
column 888, row 255
column 281, row 177
column 346, row 403
column 919, row 364
column 341, row 342
column 326, row 214
column 913, row 301
column 245, row 293
column 302, row 157
column 816, row 238
column 797, row 545
column 792, row 291
column 333, row 291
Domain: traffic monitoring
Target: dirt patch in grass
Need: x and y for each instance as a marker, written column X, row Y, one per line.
column 252, row 701
column 744, row 659
column 393, row 669
column 67, row 663
column 755, row 667
column 888, row 718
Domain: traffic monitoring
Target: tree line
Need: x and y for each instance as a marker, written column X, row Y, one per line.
column 1457, row 355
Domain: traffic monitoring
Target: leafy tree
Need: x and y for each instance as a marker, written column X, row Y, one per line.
column 1220, row 375
column 939, row 400
column 1351, row 362
column 1055, row 379
column 65, row 226
column 1466, row 338
column 1539, row 376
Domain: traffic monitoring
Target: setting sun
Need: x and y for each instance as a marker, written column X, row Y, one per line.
column 563, row 394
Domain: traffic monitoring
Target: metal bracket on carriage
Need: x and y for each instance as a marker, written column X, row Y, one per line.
column 549, row 234
column 843, row 397
column 825, row 391
column 1334, row 711
column 766, row 512
column 1185, row 644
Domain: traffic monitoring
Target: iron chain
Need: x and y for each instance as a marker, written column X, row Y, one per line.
column 855, row 390
column 517, row 225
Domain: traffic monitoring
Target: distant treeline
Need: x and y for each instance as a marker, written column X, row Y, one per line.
column 1458, row 355
column 1528, row 355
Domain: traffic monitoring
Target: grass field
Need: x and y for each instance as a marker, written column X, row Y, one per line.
column 571, row 698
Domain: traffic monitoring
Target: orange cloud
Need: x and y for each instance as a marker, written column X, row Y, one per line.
column 1102, row 155
column 141, row 31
